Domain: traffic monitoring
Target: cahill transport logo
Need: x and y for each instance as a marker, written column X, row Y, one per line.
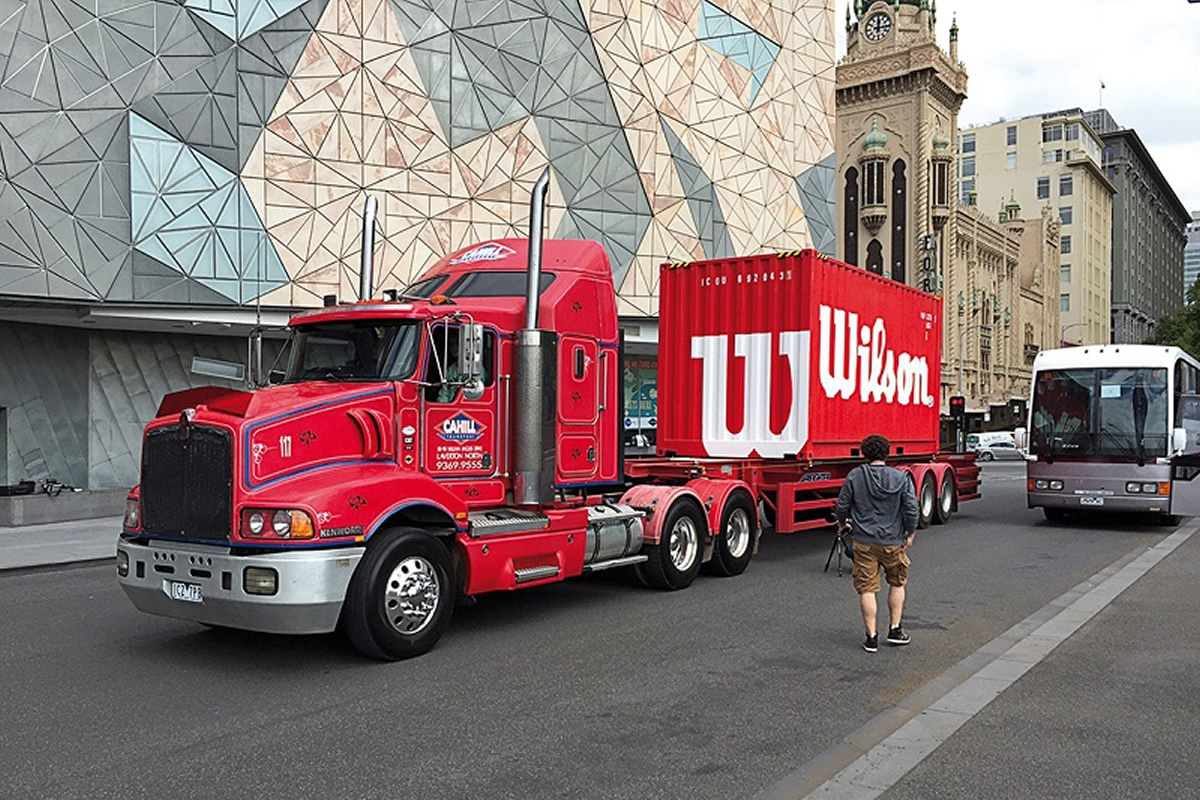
column 462, row 427
column 492, row 251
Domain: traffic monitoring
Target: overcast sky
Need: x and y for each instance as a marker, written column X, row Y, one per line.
column 1030, row 56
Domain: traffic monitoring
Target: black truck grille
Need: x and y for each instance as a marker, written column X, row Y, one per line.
column 187, row 482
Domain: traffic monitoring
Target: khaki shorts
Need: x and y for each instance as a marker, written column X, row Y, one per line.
column 869, row 557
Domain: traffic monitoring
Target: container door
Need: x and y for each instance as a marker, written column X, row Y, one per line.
column 578, row 407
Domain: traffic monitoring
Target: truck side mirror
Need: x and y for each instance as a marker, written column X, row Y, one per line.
column 470, row 353
column 1179, row 439
column 1021, row 438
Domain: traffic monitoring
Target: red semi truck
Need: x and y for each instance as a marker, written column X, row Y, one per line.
column 466, row 438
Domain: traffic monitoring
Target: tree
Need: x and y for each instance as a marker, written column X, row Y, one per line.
column 1182, row 329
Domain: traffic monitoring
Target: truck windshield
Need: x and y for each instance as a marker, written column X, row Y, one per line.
column 1104, row 413
column 353, row 351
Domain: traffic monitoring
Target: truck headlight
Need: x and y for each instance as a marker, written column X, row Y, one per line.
column 133, row 514
column 276, row 523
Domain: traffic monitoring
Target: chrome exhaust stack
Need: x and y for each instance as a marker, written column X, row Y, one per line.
column 536, row 373
column 366, row 275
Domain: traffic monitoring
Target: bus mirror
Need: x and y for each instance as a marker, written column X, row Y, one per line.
column 1179, row 440
column 470, row 351
column 1021, row 438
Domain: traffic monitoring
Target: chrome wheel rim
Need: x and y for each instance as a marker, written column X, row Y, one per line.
column 684, row 544
column 411, row 597
column 947, row 496
column 737, row 533
column 927, row 496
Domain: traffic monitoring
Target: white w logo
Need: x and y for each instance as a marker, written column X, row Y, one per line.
column 755, row 434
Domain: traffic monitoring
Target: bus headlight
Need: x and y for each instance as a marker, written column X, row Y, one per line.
column 1056, row 486
column 1041, row 484
column 1149, row 488
column 1133, row 488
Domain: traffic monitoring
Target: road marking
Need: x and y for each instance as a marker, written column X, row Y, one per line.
column 877, row 755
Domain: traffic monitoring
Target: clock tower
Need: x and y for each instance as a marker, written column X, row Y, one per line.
column 898, row 96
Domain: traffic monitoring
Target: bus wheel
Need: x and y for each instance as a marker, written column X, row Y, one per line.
column 401, row 596
column 926, row 501
column 735, row 542
column 1170, row 520
column 945, row 504
column 1054, row 514
column 675, row 561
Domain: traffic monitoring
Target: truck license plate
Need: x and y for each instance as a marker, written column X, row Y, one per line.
column 187, row 592
column 1083, row 501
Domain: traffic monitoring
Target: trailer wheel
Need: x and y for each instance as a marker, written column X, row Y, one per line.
column 401, row 596
column 945, row 504
column 735, row 542
column 675, row 561
column 926, row 501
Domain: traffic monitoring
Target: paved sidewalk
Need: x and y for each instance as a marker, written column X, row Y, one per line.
column 58, row 543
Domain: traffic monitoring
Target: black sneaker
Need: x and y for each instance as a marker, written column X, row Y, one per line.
column 897, row 636
column 871, row 644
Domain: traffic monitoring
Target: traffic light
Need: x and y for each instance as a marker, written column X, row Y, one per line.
column 958, row 406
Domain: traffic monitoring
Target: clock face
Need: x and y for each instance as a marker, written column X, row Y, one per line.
column 877, row 26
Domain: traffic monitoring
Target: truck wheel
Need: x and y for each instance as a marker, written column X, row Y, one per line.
column 926, row 501
column 675, row 561
column 401, row 596
column 945, row 504
column 735, row 542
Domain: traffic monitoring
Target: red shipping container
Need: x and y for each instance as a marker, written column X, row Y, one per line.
column 794, row 355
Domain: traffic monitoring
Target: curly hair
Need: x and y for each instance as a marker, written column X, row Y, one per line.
column 875, row 447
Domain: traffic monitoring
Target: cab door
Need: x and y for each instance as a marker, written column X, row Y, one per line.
column 578, row 408
column 460, row 432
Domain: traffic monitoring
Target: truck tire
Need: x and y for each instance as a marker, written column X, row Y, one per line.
column 945, row 503
column 927, row 501
column 401, row 596
column 675, row 561
column 734, row 545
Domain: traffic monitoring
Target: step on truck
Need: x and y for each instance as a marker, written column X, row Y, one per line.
column 465, row 437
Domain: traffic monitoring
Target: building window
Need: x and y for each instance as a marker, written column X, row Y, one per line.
column 967, row 143
column 1072, row 132
column 1011, row 135
column 1052, row 133
column 1064, row 302
column 1064, row 273
column 850, row 223
column 1043, row 188
column 1010, row 161
column 965, row 188
column 1051, row 156
column 1064, row 214
column 1065, row 245
column 873, row 184
column 1065, row 185
column 968, row 166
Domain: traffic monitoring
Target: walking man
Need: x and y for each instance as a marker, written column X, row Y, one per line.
column 879, row 505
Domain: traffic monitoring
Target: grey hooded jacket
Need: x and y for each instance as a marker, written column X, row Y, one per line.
column 880, row 503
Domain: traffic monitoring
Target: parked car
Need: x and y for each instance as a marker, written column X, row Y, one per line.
column 976, row 440
column 1001, row 450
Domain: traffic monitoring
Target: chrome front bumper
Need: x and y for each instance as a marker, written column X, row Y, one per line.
column 311, row 585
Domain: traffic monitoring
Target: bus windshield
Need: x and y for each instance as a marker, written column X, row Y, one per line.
column 353, row 351
column 1102, row 413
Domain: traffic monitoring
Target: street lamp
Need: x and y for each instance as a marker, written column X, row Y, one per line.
column 1062, row 334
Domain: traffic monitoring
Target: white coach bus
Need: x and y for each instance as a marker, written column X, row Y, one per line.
column 1114, row 428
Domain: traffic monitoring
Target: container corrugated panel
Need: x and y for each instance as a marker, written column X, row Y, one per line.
column 794, row 355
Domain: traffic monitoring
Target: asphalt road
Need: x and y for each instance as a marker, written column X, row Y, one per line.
column 592, row 688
